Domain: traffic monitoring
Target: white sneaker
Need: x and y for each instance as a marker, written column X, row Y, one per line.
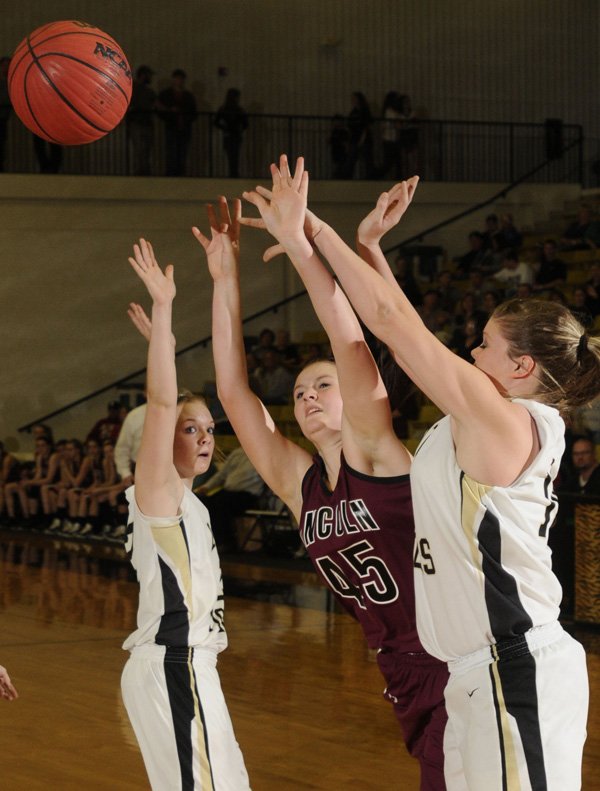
column 70, row 528
column 55, row 525
column 86, row 529
column 119, row 532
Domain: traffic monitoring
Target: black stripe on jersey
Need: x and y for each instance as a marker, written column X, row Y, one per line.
column 174, row 627
column 519, row 691
column 507, row 615
column 183, row 698
column 550, row 509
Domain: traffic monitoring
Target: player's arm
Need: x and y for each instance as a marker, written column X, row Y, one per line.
column 158, row 488
column 7, row 689
column 369, row 445
column 279, row 462
column 386, row 214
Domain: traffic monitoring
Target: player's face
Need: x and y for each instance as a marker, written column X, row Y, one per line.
column 492, row 357
column 194, row 440
column 317, row 399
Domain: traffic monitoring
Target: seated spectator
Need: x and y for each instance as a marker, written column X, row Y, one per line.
column 428, row 310
column 233, row 489
column 581, row 306
column 89, row 476
column 524, row 291
column 507, row 236
column 476, row 257
column 9, row 472
column 107, row 427
column 466, row 308
column 589, row 418
column 406, row 279
column 468, row 337
column 551, row 271
column 28, row 488
column 274, row 381
column 585, row 477
column 448, row 293
column 478, row 285
column 58, row 493
column 592, row 288
column 288, row 351
column 442, row 326
column 491, row 300
column 513, row 273
column 266, row 342
column 312, row 353
column 491, row 229
column 577, row 233
column 556, row 295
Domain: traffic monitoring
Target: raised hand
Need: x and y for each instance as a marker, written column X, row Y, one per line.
column 141, row 322
column 284, row 213
column 7, row 690
column 161, row 286
column 223, row 248
column 387, row 212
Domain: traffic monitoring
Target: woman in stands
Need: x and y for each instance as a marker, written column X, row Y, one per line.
column 487, row 600
column 170, row 683
column 28, row 489
column 9, row 472
column 352, row 499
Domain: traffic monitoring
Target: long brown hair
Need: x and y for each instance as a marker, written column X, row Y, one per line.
column 567, row 357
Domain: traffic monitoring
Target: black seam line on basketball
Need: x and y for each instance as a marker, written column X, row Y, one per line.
column 33, row 115
column 89, row 66
column 64, row 99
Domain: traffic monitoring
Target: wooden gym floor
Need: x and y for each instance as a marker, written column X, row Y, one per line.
column 303, row 691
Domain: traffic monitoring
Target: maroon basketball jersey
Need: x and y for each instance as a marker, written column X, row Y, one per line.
column 360, row 540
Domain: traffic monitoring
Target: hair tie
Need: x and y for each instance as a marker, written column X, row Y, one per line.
column 582, row 347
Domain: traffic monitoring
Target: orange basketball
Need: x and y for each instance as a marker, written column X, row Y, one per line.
column 69, row 82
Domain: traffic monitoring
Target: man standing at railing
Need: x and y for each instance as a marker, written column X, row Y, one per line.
column 140, row 121
column 177, row 108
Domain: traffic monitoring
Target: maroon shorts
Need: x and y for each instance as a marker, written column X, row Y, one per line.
column 415, row 688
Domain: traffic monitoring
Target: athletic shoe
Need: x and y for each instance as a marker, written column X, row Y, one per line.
column 119, row 533
column 86, row 529
column 54, row 526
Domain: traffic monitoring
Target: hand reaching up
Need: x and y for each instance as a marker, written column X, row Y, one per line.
column 388, row 211
column 141, row 322
column 223, row 248
column 161, row 286
column 283, row 213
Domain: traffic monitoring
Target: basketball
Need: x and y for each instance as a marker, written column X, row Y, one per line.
column 69, row 82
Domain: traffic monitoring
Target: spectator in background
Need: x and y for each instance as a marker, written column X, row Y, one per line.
column 238, row 487
column 49, row 155
column 177, row 108
column 468, row 337
column 581, row 306
column 589, row 417
column 361, row 137
column 491, row 300
column 140, row 121
column 448, row 293
column 524, row 291
column 477, row 257
column 107, row 427
column 466, row 308
column 508, row 236
column 406, row 280
column 408, row 138
column 128, row 443
column 9, row 472
column 232, row 120
column 288, row 351
column 513, row 273
column 312, row 353
column 274, row 381
column 391, row 114
column 592, row 289
column 5, row 107
column 266, row 342
column 551, row 271
column 574, row 236
column 491, row 229
column 585, row 478
column 429, row 308
column 339, row 146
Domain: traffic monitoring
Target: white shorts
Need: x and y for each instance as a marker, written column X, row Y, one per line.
column 517, row 713
column 176, row 706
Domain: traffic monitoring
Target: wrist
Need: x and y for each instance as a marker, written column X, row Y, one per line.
column 297, row 245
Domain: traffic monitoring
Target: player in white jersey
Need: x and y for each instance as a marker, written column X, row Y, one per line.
column 170, row 684
column 487, row 601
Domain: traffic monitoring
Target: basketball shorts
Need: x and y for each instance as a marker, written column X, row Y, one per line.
column 176, row 706
column 517, row 713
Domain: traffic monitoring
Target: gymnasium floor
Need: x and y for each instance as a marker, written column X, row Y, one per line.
column 303, row 691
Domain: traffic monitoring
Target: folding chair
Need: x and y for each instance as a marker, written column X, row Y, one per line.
column 271, row 525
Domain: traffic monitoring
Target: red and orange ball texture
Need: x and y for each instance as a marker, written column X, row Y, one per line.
column 69, row 82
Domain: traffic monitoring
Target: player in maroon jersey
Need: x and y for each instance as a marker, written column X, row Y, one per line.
column 352, row 500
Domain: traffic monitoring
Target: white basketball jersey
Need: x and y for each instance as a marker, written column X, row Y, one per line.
column 181, row 586
column 482, row 563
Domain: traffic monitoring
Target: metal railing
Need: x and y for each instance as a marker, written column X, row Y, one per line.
column 444, row 150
